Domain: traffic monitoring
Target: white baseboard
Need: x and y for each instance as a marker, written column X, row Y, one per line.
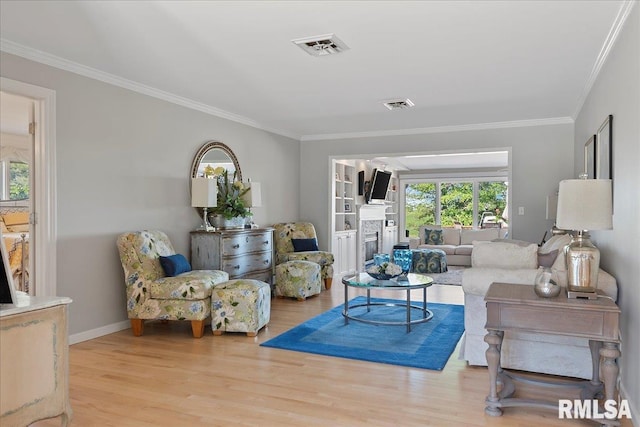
column 635, row 415
column 98, row 332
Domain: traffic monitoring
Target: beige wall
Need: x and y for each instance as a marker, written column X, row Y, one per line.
column 123, row 161
column 617, row 91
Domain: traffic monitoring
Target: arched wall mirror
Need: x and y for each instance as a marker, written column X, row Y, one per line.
column 215, row 154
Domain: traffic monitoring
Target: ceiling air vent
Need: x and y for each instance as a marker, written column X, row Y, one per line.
column 326, row 44
column 398, row 104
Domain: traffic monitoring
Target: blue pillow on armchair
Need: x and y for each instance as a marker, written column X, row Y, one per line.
column 305, row 245
column 174, row 264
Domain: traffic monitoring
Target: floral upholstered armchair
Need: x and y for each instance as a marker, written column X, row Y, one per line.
column 152, row 295
column 299, row 232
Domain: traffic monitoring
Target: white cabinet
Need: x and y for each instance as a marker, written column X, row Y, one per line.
column 391, row 201
column 344, row 251
column 389, row 238
column 34, row 361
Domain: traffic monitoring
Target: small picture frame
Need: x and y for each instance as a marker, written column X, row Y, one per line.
column 347, row 207
column 604, row 145
column 590, row 157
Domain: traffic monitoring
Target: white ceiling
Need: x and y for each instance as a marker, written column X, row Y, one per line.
column 463, row 63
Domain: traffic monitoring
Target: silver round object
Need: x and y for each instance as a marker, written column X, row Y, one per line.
column 546, row 285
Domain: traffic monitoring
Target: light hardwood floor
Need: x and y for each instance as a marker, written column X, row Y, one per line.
column 168, row 378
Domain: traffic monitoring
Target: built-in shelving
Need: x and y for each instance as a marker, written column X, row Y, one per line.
column 345, row 187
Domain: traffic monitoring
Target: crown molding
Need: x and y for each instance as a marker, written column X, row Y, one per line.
column 13, row 48
column 442, row 129
column 618, row 23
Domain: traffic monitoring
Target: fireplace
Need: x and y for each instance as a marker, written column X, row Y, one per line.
column 371, row 241
column 370, row 221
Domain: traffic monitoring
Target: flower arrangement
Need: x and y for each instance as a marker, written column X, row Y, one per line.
column 386, row 270
column 230, row 191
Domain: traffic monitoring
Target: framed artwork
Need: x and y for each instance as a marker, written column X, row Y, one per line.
column 604, row 145
column 347, row 207
column 590, row 157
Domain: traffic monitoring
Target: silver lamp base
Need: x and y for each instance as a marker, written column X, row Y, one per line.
column 583, row 263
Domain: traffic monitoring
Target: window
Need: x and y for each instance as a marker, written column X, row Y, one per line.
column 469, row 203
column 15, row 180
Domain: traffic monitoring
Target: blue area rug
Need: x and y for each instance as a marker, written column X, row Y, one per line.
column 429, row 345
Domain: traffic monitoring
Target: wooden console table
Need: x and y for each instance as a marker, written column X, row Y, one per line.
column 513, row 307
column 34, row 361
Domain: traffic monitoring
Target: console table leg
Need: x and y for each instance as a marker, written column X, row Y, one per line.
column 610, row 353
column 494, row 339
column 595, row 347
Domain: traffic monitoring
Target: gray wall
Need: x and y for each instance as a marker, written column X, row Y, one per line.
column 123, row 161
column 541, row 156
column 617, row 92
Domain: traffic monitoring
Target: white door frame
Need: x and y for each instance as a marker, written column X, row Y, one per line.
column 43, row 270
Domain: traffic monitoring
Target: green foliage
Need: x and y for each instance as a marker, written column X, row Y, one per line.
column 229, row 200
column 456, row 203
column 18, row 181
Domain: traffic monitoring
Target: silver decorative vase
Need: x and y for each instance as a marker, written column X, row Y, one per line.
column 546, row 283
column 219, row 221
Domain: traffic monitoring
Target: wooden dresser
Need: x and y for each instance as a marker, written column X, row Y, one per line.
column 34, row 361
column 243, row 253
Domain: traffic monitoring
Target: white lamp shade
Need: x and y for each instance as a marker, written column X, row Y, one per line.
column 204, row 192
column 585, row 204
column 253, row 197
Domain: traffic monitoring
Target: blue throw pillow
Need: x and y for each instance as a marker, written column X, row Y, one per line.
column 305, row 245
column 433, row 237
column 174, row 264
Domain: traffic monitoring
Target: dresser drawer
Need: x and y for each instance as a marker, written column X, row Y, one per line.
column 241, row 244
column 239, row 266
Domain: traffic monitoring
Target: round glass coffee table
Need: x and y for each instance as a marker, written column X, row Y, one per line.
column 402, row 283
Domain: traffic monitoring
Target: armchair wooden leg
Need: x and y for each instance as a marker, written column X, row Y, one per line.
column 197, row 327
column 328, row 282
column 137, row 326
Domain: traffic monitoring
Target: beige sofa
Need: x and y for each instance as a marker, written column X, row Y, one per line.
column 458, row 243
column 517, row 264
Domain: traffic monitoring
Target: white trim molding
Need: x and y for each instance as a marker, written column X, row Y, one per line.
column 99, row 332
column 618, row 23
column 55, row 61
column 43, row 270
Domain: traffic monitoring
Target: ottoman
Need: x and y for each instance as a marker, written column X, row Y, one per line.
column 240, row 305
column 429, row 261
column 298, row 279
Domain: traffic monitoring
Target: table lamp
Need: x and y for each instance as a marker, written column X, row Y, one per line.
column 583, row 205
column 204, row 194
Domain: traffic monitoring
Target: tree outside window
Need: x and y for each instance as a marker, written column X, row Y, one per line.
column 420, row 206
column 18, row 185
column 492, row 203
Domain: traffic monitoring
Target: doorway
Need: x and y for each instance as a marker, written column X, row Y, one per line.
column 39, row 230
column 16, row 186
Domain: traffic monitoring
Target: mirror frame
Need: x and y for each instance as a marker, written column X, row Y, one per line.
column 211, row 145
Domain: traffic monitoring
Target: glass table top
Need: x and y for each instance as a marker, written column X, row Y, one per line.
column 411, row 280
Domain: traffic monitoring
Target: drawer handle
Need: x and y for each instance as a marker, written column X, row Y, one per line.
column 236, row 267
column 236, row 246
column 266, row 261
column 266, row 242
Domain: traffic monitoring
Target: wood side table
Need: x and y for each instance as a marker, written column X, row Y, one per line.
column 512, row 307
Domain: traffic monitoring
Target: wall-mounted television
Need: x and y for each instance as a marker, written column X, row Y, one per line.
column 379, row 186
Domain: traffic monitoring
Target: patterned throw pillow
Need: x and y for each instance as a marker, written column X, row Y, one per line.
column 433, row 237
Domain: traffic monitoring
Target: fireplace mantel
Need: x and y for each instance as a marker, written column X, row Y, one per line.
column 371, row 212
